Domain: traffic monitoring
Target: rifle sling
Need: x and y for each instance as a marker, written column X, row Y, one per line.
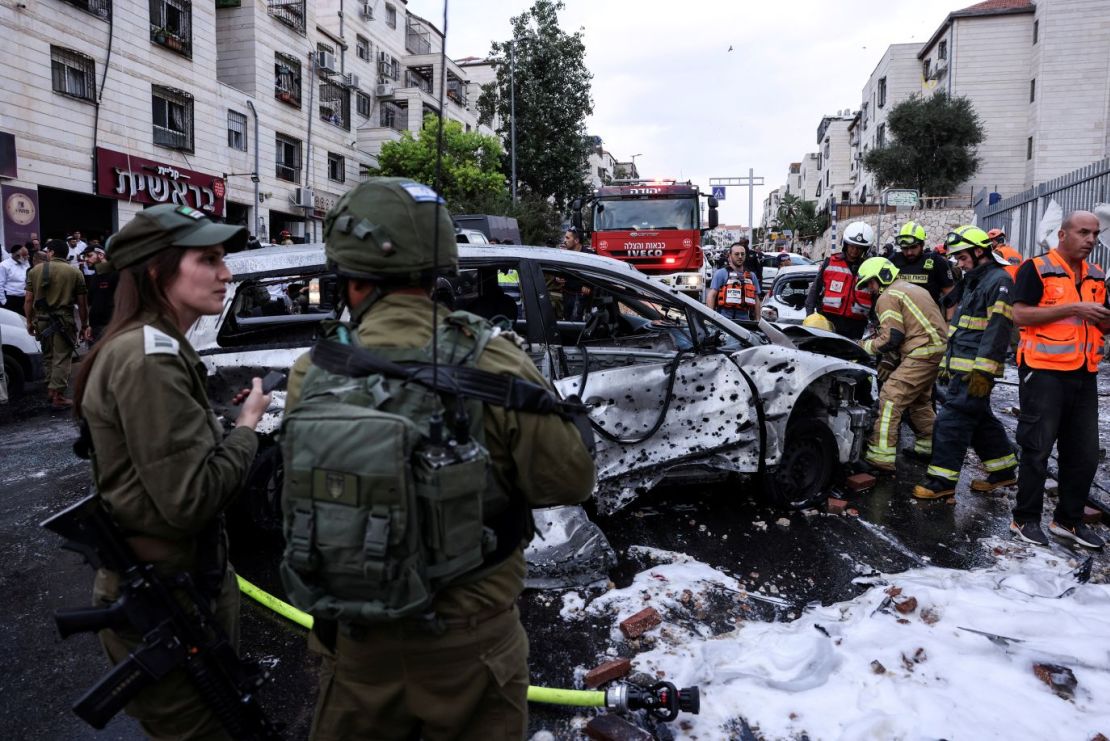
column 490, row 388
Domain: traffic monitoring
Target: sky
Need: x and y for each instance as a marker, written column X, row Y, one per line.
column 666, row 86
column 878, row 666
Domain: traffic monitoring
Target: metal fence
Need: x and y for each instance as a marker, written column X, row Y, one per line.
column 1019, row 215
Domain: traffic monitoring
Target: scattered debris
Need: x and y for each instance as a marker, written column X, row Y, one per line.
column 615, row 728
column 906, row 606
column 930, row 615
column 836, row 506
column 893, row 591
column 783, row 522
column 607, row 672
column 1060, row 678
column 641, row 622
column 877, row 667
column 859, row 482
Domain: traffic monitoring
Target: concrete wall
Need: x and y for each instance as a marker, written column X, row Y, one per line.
column 937, row 223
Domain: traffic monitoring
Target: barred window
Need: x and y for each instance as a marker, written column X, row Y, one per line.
column 287, row 79
column 288, row 158
column 337, row 167
column 99, row 8
column 363, row 102
column 73, row 73
column 171, row 25
column 335, row 105
column 362, row 47
column 289, row 12
column 237, row 130
column 173, row 118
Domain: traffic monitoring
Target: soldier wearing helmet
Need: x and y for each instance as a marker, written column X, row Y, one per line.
column 1008, row 253
column 977, row 347
column 911, row 343
column 460, row 669
column 833, row 291
column 920, row 266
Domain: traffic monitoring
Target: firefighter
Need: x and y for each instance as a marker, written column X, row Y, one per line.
column 911, row 334
column 1061, row 307
column 920, row 266
column 978, row 340
column 1012, row 256
column 734, row 292
column 834, row 289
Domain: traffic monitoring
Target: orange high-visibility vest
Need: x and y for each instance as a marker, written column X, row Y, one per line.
column 841, row 297
column 738, row 291
column 1066, row 344
column 1012, row 256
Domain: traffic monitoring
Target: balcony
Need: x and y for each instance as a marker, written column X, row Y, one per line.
column 416, row 79
column 393, row 116
column 99, row 8
column 418, row 39
column 291, row 13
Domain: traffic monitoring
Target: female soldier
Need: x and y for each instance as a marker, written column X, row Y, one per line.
column 160, row 459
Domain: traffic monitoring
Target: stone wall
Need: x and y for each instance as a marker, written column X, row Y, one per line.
column 937, row 222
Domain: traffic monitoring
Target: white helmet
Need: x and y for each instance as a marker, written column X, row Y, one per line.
column 860, row 234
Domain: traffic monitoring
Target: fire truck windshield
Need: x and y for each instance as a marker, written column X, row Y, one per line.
column 638, row 214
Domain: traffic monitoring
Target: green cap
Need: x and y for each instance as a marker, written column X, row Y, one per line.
column 386, row 228
column 166, row 225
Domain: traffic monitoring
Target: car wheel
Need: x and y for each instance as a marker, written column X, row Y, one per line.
column 13, row 370
column 259, row 506
column 806, row 468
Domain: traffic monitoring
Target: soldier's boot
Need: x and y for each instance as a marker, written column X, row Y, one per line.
column 58, row 400
column 996, row 480
column 935, row 488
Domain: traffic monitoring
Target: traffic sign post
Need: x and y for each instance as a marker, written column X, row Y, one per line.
column 748, row 182
column 719, row 192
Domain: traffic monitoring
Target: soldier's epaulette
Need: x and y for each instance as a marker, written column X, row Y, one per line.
column 157, row 342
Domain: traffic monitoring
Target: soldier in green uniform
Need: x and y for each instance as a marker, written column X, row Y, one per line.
column 53, row 289
column 160, row 458
column 464, row 673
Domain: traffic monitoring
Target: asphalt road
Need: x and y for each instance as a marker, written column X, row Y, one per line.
column 786, row 562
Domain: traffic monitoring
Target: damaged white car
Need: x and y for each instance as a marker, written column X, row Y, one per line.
column 678, row 394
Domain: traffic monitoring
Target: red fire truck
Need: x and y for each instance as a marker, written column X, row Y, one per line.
column 654, row 225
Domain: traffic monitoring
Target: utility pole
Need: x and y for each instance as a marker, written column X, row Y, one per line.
column 512, row 112
column 748, row 182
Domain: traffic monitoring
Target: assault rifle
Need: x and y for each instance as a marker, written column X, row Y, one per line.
column 172, row 636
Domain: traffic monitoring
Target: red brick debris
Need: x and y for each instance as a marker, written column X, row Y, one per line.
column 836, row 506
column 641, row 622
column 860, row 482
column 607, row 672
column 615, row 728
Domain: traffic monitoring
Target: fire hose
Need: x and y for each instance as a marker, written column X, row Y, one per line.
column 662, row 699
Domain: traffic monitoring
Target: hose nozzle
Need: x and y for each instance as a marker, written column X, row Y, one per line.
column 663, row 700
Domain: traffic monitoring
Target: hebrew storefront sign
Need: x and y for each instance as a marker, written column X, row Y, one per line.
column 129, row 178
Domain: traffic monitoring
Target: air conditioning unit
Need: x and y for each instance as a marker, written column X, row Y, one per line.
column 384, row 90
column 350, row 80
column 367, row 12
column 325, row 61
column 304, row 198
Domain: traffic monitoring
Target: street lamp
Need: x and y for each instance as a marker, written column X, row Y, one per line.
column 634, row 173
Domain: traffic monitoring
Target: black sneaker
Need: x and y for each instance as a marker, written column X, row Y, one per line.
column 1080, row 534
column 1030, row 532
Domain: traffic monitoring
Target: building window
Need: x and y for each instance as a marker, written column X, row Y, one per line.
column 882, row 92
column 287, row 79
column 388, row 68
column 171, row 24
column 335, row 105
column 99, row 8
column 845, row 196
column 173, row 118
column 927, row 69
column 288, row 158
column 362, row 101
column 393, row 116
column 237, row 130
column 74, row 74
column 1036, row 31
column 828, row 173
column 390, row 16
column 1029, row 148
column 1033, row 90
column 880, row 135
column 337, row 167
column 942, row 50
column 362, row 47
column 289, row 13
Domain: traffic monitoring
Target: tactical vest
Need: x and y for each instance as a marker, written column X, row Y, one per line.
column 378, row 516
column 841, row 297
column 738, row 292
column 1071, row 343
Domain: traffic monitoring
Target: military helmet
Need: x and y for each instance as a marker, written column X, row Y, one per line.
column 385, row 228
column 911, row 234
column 879, row 268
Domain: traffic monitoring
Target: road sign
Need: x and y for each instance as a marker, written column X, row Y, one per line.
column 900, row 197
column 719, row 192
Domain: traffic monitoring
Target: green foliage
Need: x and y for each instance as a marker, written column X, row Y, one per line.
column 932, row 147
column 471, row 178
column 552, row 98
column 539, row 221
column 801, row 217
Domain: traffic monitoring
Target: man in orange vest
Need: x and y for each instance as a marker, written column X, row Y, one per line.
column 833, row 292
column 1008, row 253
column 734, row 291
column 1060, row 305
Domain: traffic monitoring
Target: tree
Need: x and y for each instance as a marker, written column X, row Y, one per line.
column 800, row 217
column 470, row 180
column 932, row 148
column 552, row 100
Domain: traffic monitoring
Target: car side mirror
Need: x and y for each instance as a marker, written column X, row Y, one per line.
column 712, row 217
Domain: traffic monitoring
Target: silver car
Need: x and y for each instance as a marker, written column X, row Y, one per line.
column 677, row 393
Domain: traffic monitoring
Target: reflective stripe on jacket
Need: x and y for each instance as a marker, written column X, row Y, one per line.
column 738, row 291
column 841, row 297
column 1065, row 344
column 979, row 333
column 909, row 309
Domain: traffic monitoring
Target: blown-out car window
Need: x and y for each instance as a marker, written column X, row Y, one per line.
column 792, row 289
column 281, row 311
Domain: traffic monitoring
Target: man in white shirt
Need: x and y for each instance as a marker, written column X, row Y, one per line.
column 74, row 254
column 13, row 278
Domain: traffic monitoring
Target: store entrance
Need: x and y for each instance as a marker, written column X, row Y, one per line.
column 65, row 211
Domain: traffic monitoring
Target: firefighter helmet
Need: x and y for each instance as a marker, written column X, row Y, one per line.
column 817, row 320
column 879, row 268
column 911, row 234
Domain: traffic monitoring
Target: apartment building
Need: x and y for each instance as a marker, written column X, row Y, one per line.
column 809, row 177
column 895, row 78
column 834, row 160
column 602, row 166
column 260, row 113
